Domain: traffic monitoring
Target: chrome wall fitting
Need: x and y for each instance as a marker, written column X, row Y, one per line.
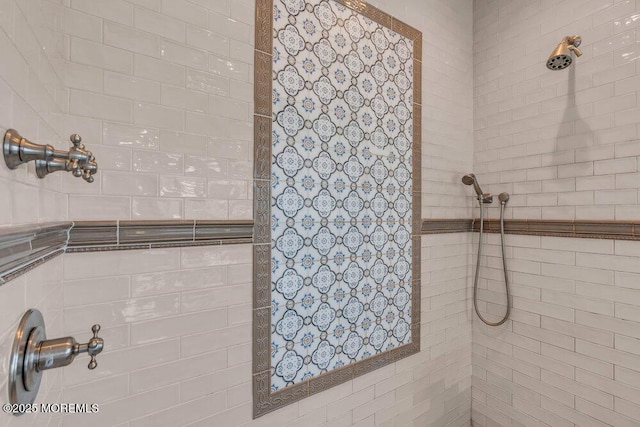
column 32, row 353
column 80, row 162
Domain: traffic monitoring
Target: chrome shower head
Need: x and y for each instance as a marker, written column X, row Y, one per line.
column 470, row 179
column 561, row 58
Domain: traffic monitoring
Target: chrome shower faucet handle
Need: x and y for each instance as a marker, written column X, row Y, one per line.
column 79, row 161
column 61, row 352
column 85, row 161
column 32, row 354
column 94, row 346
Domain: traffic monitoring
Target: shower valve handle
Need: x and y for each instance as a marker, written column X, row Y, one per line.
column 93, row 347
column 32, row 354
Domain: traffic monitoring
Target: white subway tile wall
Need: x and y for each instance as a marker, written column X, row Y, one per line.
column 33, row 99
column 40, row 288
column 178, row 327
column 34, row 96
column 159, row 83
column 162, row 91
column 564, row 143
column 570, row 355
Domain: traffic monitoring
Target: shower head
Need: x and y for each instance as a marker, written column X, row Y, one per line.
column 561, row 58
column 470, row 179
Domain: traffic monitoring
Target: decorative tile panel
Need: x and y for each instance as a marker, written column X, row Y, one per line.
column 342, row 197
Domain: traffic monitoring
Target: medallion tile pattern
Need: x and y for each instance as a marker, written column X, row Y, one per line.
column 341, row 189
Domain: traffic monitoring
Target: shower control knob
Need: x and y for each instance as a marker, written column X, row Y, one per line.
column 32, row 354
column 94, row 346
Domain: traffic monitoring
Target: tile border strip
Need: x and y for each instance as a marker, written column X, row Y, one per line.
column 441, row 226
column 92, row 236
column 586, row 229
column 264, row 401
column 25, row 247
column 575, row 228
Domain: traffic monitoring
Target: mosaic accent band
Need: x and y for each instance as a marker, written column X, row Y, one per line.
column 336, row 195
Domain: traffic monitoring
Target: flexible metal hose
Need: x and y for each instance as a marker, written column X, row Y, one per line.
column 504, row 267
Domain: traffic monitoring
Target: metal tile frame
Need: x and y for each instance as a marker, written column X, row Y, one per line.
column 265, row 401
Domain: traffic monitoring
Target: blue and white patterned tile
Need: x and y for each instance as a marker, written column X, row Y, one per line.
column 340, row 184
column 323, row 320
column 403, row 82
column 307, row 302
column 341, row 147
column 389, row 317
column 407, row 315
column 352, row 347
column 278, row 100
column 287, row 325
column 401, row 299
column 340, row 359
column 311, row 28
column 340, row 112
column 287, row 285
column 321, row 355
column 289, row 369
column 366, row 119
column 391, row 125
column 338, row 295
column 352, row 311
column 368, row 221
column 367, row 256
column 308, row 104
column 367, row 154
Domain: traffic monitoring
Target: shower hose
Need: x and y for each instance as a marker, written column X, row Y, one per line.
column 504, row 267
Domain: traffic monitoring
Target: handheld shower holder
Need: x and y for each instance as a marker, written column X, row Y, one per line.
column 470, row 179
column 486, row 198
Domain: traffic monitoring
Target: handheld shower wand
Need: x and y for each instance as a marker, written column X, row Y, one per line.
column 470, row 179
column 483, row 198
